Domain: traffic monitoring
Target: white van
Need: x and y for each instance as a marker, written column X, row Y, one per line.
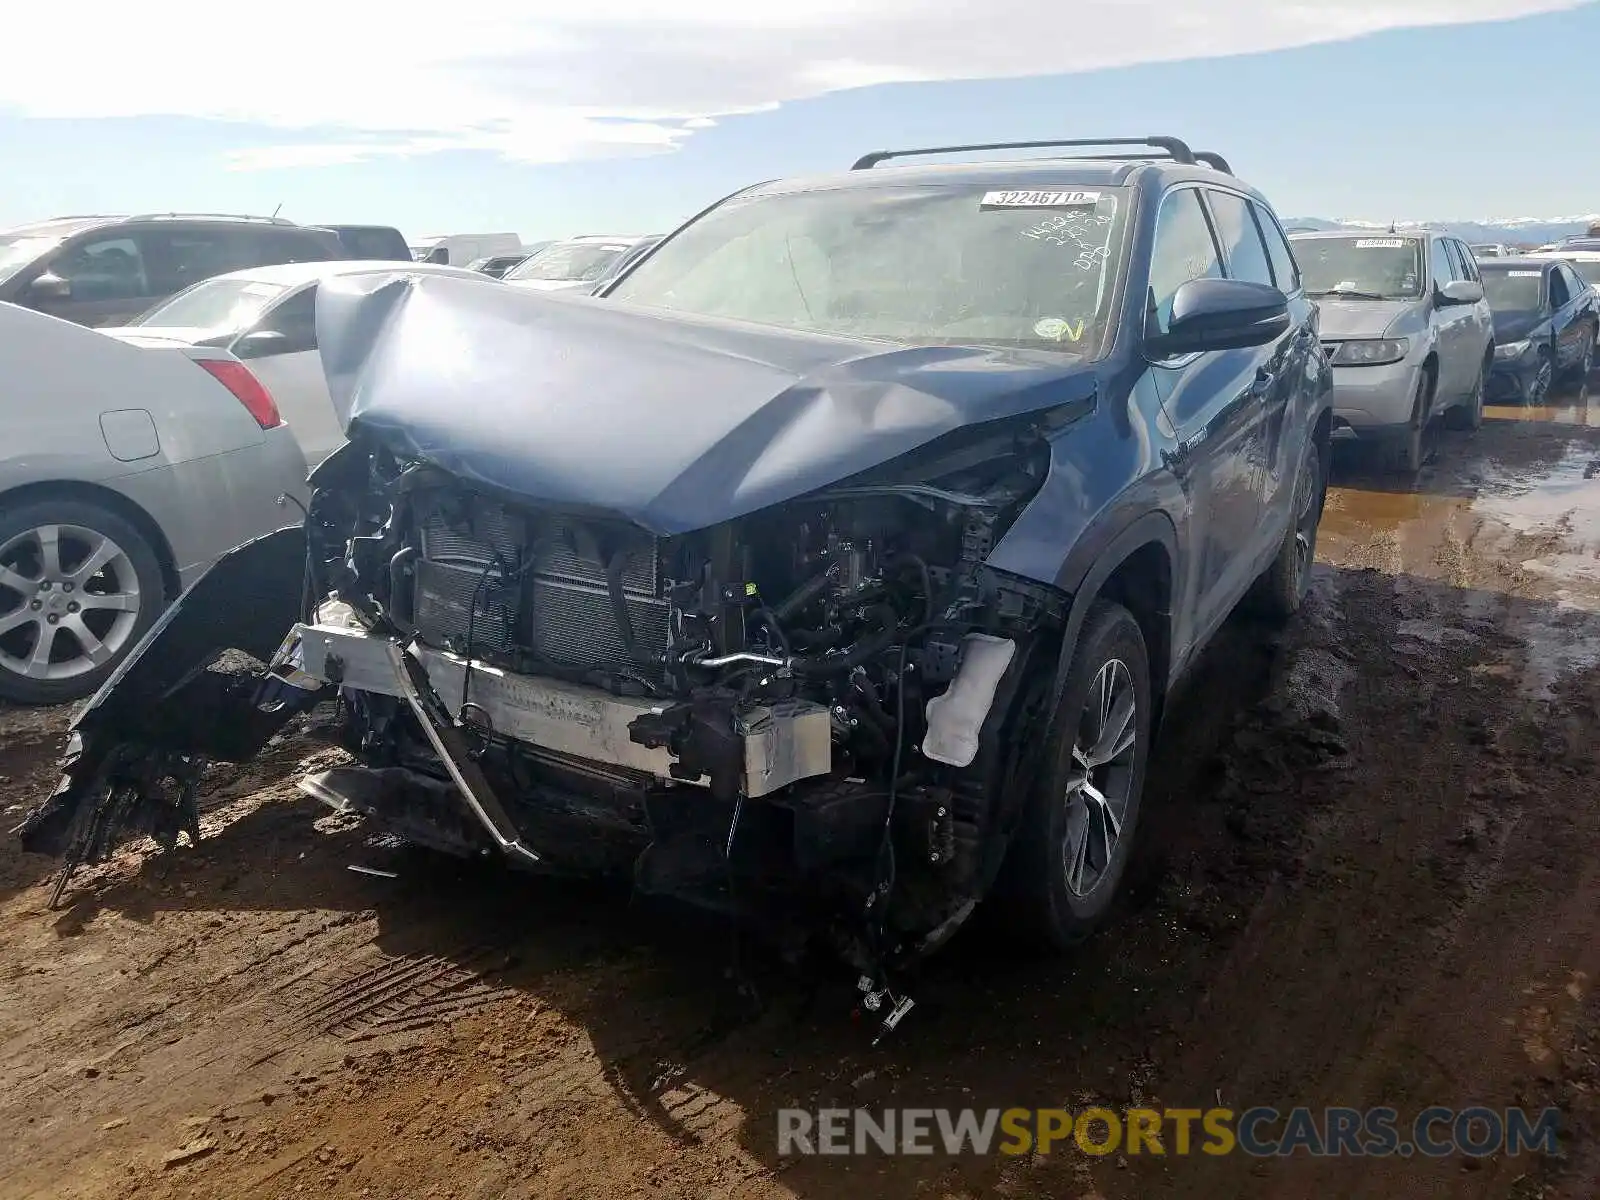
column 458, row 249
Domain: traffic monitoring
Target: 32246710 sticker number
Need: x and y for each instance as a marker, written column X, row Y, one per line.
column 1039, row 200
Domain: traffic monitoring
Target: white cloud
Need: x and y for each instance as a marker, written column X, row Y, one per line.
column 548, row 82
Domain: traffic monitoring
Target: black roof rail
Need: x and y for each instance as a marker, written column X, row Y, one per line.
column 1174, row 148
column 209, row 216
column 1214, row 160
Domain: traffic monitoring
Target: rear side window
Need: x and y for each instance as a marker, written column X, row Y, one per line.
column 1184, row 249
column 292, row 246
column 294, row 321
column 1285, row 271
column 1241, row 241
column 1469, row 263
column 180, row 256
column 374, row 243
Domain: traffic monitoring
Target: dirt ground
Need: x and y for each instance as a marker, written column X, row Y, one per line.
column 1368, row 874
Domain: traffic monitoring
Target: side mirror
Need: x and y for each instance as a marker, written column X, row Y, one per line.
column 1221, row 314
column 50, row 288
column 1460, row 291
column 260, row 344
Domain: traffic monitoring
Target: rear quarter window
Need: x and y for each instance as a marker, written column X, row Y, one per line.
column 1285, row 271
column 294, row 246
column 375, row 243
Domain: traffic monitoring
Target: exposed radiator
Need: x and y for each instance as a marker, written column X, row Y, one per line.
column 554, row 600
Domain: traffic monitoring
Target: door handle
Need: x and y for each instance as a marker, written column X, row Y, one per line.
column 1263, row 383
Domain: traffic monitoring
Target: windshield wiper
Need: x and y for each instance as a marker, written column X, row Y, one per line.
column 1350, row 294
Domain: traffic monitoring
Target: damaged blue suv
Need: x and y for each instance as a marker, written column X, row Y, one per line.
column 829, row 569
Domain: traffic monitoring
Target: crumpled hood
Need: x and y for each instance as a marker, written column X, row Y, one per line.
column 1514, row 326
column 675, row 423
column 1340, row 320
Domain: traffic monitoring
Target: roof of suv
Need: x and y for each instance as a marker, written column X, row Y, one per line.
column 1526, row 263
column 69, row 225
column 1034, row 172
column 61, row 226
column 1160, row 157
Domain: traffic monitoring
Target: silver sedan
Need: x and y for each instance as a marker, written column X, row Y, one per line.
column 124, row 473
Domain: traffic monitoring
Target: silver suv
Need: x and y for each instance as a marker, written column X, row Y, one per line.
column 1408, row 331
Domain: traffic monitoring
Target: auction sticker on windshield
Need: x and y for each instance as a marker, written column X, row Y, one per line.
column 1524, row 274
column 1039, row 200
column 1380, row 243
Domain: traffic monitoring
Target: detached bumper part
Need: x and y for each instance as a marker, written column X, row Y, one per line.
column 779, row 744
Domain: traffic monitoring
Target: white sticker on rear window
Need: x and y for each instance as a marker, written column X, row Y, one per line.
column 1380, row 243
column 1524, row 274
column 1039, row 200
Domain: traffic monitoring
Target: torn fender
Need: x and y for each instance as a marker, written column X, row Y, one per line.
column 178, row 700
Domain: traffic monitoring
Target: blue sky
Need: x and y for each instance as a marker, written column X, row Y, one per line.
column 1450, row 121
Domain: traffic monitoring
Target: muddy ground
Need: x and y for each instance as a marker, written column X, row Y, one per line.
column 1367, row 875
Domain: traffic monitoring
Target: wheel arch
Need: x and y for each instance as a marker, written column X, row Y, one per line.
column 112, row 501
column 1138, row 568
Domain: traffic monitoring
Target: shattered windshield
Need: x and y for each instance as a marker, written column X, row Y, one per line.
column 19, row 250
column 927, row 265
column 1361, row 268
column 1513, row 290
column 587, row 261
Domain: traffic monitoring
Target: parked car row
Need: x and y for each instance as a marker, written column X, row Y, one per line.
column 104, row 270
column 1420, row 329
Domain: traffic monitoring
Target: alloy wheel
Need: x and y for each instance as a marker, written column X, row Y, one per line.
column 69, row 602
column 1101, row 785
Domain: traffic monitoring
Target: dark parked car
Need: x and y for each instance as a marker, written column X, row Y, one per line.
column 373, row 242
column 1545, row 322
column 834, row 572
column 108, row 270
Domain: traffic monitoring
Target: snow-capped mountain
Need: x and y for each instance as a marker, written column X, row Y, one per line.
column 1511, row 230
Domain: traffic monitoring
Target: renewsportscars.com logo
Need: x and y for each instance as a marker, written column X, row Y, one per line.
column 1436, row 1132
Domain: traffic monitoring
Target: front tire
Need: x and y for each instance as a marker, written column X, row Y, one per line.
column 1538, row 389
column 1069, row 854
column 1585, row 364
column 79, row 586
column 1412, row 450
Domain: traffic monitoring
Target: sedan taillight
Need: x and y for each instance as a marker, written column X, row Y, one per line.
column 246, row 388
